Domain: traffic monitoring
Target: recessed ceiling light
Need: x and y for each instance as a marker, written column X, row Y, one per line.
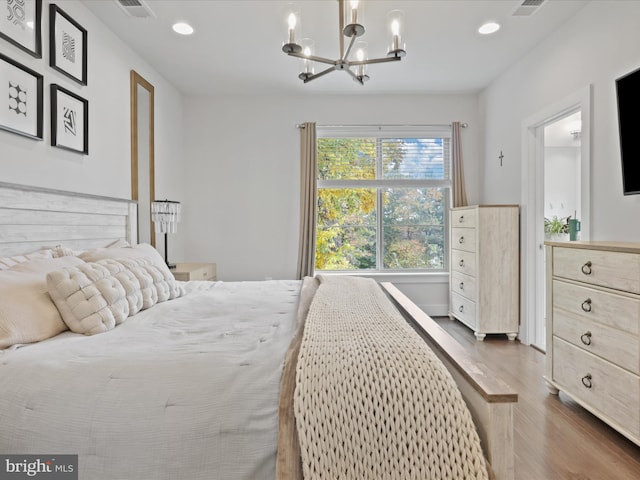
column 489, row 27
column 183, row 28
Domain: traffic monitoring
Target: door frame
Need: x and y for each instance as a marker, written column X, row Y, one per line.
column 532, row 198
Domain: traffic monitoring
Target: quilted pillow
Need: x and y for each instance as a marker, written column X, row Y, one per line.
column 90, row 299
column 96, row 296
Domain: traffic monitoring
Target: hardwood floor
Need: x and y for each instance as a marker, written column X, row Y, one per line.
column 554, row 438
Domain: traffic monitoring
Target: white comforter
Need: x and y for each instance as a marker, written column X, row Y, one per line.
column 185, row 390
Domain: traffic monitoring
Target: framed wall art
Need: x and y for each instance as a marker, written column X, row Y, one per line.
column 20, row 99
column 69, row 120
column 20, row 24
column 67, row 45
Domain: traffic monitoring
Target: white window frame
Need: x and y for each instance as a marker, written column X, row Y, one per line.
column 392, row 131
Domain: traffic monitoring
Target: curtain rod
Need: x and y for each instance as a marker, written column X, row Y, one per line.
column 463, row 125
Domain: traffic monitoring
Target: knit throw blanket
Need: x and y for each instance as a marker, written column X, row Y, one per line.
column 372, row 401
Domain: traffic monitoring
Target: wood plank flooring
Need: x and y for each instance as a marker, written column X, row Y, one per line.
column 554, row 438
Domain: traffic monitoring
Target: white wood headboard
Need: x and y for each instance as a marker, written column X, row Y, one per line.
column 33, row 217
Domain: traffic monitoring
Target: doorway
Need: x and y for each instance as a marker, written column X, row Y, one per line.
column 555, row 182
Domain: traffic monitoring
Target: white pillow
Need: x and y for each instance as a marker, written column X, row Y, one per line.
column 27, row 313
column 90, row 299
column 96, row 296
column 9, row 262
column 147, row 259
column 142, row 250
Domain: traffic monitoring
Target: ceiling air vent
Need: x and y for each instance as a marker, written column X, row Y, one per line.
column 136, row 8
column 528, row 8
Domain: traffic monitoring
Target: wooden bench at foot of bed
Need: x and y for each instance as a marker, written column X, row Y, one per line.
column 489, row 399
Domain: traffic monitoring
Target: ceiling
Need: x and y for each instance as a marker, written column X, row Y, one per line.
column 236, row 47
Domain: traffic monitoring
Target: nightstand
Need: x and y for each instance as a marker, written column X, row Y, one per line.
column 194, row 271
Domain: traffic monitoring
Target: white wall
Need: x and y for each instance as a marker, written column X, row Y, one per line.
column 561, row 182
column 242, row 174
column 107, row 168
column 595, row 47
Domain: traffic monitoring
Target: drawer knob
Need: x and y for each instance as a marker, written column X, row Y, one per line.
column 586, row 338
column 461, row 262
column 461, row 219
column 586, row 268
column 461, row 285
column 586, row 381
column 461, row 308
column 586, row 305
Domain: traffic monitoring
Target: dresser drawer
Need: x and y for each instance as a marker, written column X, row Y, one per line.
column 464, row 285
column 608, row 343
column 609, row 389
column 463, row 309
column 581, row 303
column 463, row 239
column 466, row 217
column 464, row 262
column 617, row 270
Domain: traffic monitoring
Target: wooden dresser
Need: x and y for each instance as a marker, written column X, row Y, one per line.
column 593, row 329
column 484, row 281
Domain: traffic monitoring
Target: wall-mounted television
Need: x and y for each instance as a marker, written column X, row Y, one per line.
column 628, row 94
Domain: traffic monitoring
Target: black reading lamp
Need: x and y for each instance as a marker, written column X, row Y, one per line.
column 166, row 215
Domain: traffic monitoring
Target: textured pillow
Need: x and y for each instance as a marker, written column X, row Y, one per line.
column 27, row 313
column 96, row 296
column 141, row 258
column 90, row 299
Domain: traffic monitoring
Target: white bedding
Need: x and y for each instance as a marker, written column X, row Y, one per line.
column 161, row 395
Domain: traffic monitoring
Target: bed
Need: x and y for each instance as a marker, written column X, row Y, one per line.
column 203, row 383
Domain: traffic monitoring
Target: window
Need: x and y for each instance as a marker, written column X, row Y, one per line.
column 383, row 197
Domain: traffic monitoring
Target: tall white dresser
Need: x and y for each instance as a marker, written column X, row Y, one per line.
column 593, row 329
column 484, row 280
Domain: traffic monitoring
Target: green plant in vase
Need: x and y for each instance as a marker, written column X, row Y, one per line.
column 556, row 227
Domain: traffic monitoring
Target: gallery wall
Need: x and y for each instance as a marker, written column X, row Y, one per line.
column 106, row 170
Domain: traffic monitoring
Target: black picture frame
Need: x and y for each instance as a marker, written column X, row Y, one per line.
column 20, row 114
column 69, row 120
column 22, row 25
column 67, row 45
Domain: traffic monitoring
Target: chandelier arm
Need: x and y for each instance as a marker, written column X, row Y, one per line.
column 319, row 74
column 313, row 58
column 355, row 77
column 346, row 54
column 375, row 60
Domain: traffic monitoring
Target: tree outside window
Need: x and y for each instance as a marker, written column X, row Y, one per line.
column 382, row 203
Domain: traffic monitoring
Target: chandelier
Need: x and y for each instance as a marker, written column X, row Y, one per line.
column 351, row 12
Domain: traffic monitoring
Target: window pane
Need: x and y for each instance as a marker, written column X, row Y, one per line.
column 413, row 228
column 346, row 158
column 414, row 158
column 346, row 229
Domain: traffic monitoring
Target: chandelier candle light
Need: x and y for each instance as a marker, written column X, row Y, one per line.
column 351, row 12
column 166, row 215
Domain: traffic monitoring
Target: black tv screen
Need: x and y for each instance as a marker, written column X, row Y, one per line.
column 628, row 93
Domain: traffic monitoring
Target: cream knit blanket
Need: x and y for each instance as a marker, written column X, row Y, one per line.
column 372, row 401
